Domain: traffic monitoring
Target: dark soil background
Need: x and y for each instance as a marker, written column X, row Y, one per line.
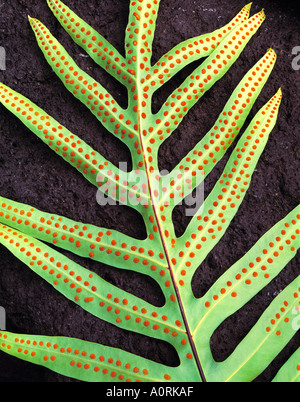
column 33, row 174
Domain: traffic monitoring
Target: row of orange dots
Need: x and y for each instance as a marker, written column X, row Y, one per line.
column 59, row 271
column 187, row 53
column 143, row 317
column 77, row 235
column 140, row 30
column 26, row 345
column 57, row 266
column 52, row 226
column 183, row 97
column 93, row 42
column 57, row 137
column 139, row 34
column 261, row 264
column 78, row 358
column 193, row 164
column 56, row 269
column 214, row 222
column 168, row 330
column 96, row 98
column 62, row 272
column 223, row 131
column 140, row 162
column 211, row 223
column 282, row 312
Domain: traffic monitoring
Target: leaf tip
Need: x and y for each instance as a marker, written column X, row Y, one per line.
column 277, row 98
column 31, row 20
column 259, row 17
column 2, row 89
column 248, row 6
column 272, row 53
column 261, row 14
column 279, row 92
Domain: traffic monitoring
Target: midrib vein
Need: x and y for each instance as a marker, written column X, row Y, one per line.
column 188, row 332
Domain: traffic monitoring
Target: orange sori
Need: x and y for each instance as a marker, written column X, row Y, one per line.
column 183, row 321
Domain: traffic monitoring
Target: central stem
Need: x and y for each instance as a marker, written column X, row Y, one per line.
column 189, row 334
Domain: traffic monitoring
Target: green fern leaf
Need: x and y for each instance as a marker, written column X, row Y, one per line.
column 290, row 372
column 183, row 321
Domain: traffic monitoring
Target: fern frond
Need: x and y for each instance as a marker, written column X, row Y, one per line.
column 203, row 78
column 235, row 288
column 140, row 34
column 94, row 167
column 207, row 227
column 182, row 321
column 86, row 361
column 290, row 372
column 191, row 50
column 91, row 292
column 252, row 273
column 85, row 240
column 96, row 46
column 265, row 341
column 208, row 152
column 106, row 109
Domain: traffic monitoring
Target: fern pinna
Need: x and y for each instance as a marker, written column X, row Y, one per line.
column 184, row 321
